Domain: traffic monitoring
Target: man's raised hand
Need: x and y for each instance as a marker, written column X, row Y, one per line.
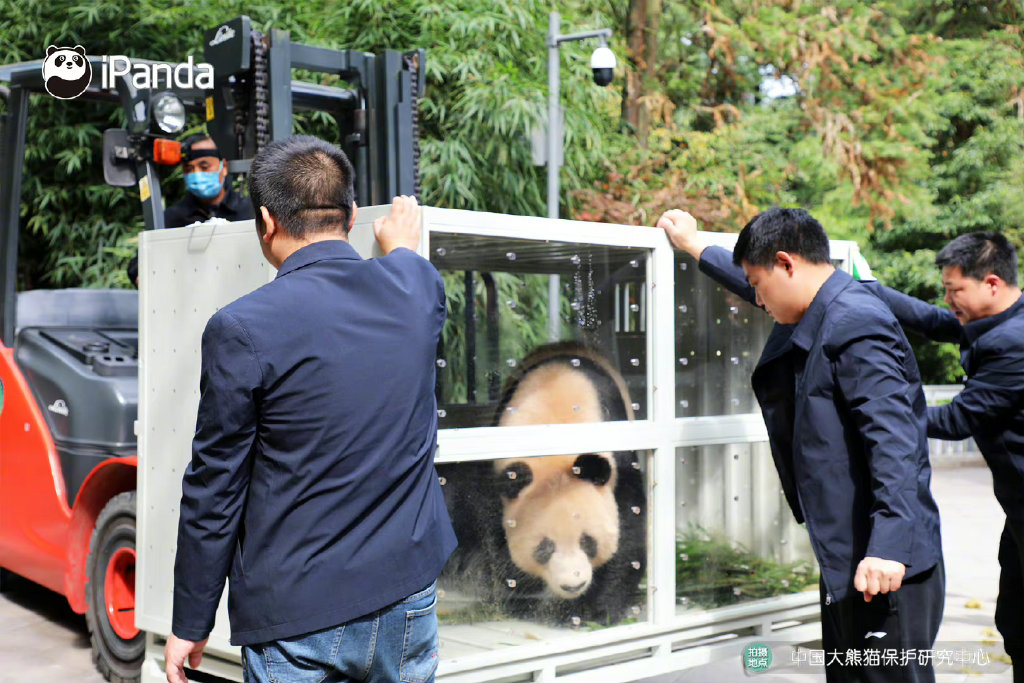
column 681, row 229
column 401, row 227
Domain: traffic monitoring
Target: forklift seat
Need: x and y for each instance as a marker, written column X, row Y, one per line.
column 78, row 308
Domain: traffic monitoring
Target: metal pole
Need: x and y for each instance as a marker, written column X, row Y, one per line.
column 12, row 156
column 554, row 141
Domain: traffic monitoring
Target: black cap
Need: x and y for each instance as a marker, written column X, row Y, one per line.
column 189, row 154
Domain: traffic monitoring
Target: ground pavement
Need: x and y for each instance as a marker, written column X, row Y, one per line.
column 971, row 524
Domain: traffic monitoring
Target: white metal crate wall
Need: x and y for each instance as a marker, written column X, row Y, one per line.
column 185, row 276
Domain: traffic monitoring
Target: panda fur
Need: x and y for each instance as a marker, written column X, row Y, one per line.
column 557, row 538
column 66, row 71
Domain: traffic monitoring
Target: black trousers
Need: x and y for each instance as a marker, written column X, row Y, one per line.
column 1010, row 603
column 884, row 632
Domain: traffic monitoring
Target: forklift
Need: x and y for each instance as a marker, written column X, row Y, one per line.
column 69, row 357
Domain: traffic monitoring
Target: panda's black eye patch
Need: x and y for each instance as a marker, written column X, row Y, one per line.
column 60, row 60
column 78, row 60
column 545, row 549
column 589, row 545
column 593, row 468
column 514, row 479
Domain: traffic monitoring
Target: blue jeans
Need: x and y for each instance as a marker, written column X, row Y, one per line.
column 397, row 644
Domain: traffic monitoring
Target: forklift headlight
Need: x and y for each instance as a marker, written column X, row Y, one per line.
column 168, row 113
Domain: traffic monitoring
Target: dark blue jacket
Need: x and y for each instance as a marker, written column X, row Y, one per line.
column 312, row 480
column 842, row 400
column 991, row 406
column 234, row 207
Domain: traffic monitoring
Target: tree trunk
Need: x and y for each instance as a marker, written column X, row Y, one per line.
column 642, row 24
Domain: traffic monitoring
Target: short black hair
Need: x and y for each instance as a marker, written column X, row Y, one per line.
column 981, row 253
column 791, row 230
column 306, row 185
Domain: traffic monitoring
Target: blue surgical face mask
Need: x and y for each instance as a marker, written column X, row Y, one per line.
column 204, row 184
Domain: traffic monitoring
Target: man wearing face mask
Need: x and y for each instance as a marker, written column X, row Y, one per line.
column 208, row 192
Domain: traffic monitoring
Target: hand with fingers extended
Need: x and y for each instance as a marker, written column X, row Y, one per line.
column 875, row 575
column 176, row 652
column 681, row 229
column 401, row 227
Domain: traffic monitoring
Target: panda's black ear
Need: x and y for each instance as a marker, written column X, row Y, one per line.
column 50, row 50
column 80, row 50
column 593, row 468
column 513, row 479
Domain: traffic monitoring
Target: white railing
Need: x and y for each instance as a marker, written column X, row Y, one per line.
column 949, row 452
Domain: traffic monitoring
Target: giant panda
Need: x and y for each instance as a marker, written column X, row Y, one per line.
column 557, row 538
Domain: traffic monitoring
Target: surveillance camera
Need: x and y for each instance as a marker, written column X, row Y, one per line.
column 603, row 64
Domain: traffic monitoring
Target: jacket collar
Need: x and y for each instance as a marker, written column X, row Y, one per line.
column 785, row 336
column 779, row 342
column 806, row 331
column 975, row 329
column 318, row 251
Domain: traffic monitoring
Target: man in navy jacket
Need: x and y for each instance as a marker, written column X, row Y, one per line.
column 312, row 482
column 986, row 317
column 841, row 396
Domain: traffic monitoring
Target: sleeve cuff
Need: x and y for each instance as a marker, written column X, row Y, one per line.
column 710, row 261
column 191, row 634
column 889, row 551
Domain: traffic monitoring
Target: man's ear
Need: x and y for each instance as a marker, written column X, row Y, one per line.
column 785, row 261
column 352, row 220
column 270, row 225
column 993, row 282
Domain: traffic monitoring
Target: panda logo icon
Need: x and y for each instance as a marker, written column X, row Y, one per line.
column 66, row 71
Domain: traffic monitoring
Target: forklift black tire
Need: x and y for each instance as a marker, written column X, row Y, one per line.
column 118, row 647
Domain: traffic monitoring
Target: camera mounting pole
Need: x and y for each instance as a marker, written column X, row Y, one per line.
column 554, row 141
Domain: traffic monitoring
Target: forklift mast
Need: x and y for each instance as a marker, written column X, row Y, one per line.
column 254, row 98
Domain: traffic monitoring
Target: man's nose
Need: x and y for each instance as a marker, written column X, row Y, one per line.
column 757, row 298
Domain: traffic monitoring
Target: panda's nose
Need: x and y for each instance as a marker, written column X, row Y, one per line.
column 574, row 589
